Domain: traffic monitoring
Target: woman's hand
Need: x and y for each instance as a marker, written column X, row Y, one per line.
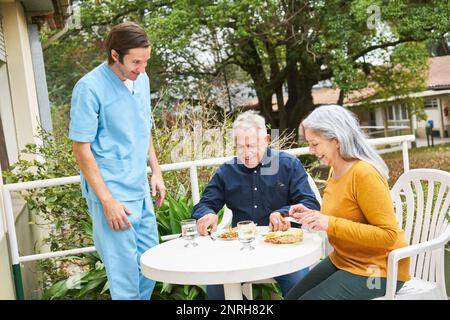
column 313, row 220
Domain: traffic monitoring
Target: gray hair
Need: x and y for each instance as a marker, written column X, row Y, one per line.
column 336, row 122
column 250, row 120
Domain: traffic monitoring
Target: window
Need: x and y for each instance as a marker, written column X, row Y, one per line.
column 404, row 112
column 373, row 118
column 431, row 103
column 391, row 113
column 398, row 112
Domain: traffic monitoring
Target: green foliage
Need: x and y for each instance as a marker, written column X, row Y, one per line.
column 266, row 291
column 267, row 40
column 186, row 135
column 60, row 209
column 199, row 45
column 87, row 285
column 92, row 284
column 63, row 210
column 167, row 291
column 80, row 50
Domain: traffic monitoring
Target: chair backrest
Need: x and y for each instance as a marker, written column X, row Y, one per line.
column 421, row 199
column 314, row 188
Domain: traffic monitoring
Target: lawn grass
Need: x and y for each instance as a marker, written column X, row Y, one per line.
column 437, row 157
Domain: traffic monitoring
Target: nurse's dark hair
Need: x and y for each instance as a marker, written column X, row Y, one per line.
column 123, row 37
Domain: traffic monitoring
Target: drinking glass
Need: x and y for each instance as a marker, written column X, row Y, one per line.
column 246, row 234
column 189, row 232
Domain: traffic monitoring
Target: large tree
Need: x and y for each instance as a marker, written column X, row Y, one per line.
column 288, row 46
column 284, row 46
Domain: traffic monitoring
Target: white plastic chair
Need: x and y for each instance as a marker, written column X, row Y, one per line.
column 421, row 199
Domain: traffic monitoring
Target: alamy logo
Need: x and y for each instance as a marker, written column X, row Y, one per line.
column 374, row 280
column 375, row 18
column 74, row 20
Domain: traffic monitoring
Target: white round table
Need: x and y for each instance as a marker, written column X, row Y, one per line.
column 222, row 261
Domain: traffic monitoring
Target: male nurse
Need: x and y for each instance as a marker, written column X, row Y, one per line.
column 110, row 127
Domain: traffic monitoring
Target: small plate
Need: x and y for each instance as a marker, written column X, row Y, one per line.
column 218, row 233
column 262, row 230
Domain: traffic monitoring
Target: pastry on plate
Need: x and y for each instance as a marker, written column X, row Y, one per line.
column 284, row 237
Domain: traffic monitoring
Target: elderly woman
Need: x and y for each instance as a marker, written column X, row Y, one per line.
column 357, row 213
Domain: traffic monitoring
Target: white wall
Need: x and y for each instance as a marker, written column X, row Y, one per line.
column 379, row 116
column 440, row 121
column 6, row 281
column 7, row 115
column 432, row 114
column 25, row 108
column 20, row 117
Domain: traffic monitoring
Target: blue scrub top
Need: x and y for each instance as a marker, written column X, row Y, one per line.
column 117, row 123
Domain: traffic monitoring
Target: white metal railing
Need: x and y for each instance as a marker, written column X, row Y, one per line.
column 374, row 130
column 191, row 165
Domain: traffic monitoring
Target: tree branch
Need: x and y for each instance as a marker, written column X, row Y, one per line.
column 381, row 46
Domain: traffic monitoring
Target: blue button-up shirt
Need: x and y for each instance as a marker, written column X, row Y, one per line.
column 253, row 194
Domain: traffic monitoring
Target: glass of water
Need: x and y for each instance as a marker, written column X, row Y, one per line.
column 246, row 234
column 189, row 232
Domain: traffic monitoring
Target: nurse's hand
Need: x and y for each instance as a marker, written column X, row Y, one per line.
column 116, row 214
column 157, row 184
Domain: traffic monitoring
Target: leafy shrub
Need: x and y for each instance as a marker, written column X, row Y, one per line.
column 63, row 210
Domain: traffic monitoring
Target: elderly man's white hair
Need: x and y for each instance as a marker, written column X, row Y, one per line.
column 250, row 120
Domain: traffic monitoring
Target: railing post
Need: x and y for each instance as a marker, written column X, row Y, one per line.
column 14, row 249
column 194, row 184
column 405, row 156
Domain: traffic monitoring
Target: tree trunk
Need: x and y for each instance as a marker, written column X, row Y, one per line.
column 341, row 97
column 282, row 116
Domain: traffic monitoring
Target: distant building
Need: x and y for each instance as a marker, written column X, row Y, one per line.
column 436, row 104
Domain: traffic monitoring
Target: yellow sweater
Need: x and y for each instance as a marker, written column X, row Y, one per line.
column 362, row 227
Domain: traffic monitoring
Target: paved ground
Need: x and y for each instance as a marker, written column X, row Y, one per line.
column 423, row 142
column 420, row 142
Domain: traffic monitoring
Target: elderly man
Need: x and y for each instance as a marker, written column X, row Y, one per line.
column 260, row 184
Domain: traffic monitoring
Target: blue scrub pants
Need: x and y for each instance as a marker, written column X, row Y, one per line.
column 286, row 282
column 121, row 250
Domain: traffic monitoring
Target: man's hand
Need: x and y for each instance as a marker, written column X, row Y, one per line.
column 116, row 214
column 278, row 223
column 157, row 184
column 208, row 220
